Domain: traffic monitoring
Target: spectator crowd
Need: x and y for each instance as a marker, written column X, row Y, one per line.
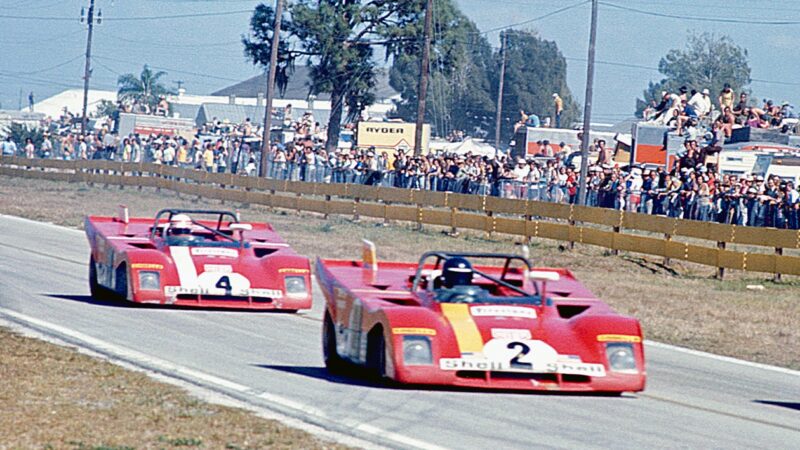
column 693, row 188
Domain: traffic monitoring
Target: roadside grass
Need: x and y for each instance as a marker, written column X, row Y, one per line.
column 56, row 398
column 680, row 304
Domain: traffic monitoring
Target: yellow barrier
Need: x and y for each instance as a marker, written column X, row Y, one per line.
column 462, row 211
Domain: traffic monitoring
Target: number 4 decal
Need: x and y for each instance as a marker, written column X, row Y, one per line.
column 224, row 283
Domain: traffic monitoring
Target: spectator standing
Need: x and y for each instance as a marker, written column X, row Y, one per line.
column 558, row 106
column 726, row 97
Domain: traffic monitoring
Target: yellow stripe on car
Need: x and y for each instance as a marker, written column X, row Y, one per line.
column 467, row 334
column 418, row 331
column 618, row 338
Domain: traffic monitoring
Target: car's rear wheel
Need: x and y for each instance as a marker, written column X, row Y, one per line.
column 376, row 353
column 333, row 362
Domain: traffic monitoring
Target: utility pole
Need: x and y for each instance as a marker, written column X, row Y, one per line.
column 499, row 118
column 87, row 73
column 423, row 78
column 273, row 63
column 587, row 108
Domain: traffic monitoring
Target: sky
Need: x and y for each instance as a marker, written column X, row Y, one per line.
column 197, row 42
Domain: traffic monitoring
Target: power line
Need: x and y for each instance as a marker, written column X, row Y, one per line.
column 702, row 19
column 35, row 72
column 525, row 22
column 168, row 69
column 131, row 19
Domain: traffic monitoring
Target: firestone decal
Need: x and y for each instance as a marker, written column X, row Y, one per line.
column 503, row 311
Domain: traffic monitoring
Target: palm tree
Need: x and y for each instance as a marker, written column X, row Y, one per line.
column 144, row 90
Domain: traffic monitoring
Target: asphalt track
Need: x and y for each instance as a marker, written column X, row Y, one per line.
column 274, row 361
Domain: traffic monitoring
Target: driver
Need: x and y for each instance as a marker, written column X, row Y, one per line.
column 456, row 271
column 180, row 226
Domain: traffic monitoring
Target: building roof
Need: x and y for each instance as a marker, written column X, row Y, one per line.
column 298, row 87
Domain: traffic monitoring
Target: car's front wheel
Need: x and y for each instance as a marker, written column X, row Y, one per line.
column 333, row 362
column 376, row 353
column 121, row 282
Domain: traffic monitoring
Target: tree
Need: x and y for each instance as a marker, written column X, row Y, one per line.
column 20, row 133
column 335, row 38
column 708, row 61
column 535, row 70
column 144, row 89
column 459, row 88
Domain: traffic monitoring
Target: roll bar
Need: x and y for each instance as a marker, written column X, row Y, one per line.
column 444, row 256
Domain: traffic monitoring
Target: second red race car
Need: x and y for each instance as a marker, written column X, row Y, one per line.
column 459, row 320
column 199, row 258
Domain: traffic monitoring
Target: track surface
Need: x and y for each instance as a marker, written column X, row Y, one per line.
column 274, row 360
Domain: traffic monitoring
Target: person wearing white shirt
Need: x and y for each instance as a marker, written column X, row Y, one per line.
column 701, row 102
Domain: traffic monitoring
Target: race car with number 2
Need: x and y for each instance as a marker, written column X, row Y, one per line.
column 202, row 258
column 476, row 320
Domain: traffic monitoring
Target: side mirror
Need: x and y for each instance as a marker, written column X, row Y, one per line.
column 543, row 276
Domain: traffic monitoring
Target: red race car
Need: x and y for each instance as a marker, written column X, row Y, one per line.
column 447, row 320
column 178, row 259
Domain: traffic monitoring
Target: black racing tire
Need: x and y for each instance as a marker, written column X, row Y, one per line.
column 376, row 354
column 333, row 362
column 94, row 287
column 121, row 282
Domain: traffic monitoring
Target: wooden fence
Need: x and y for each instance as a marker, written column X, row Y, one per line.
column 569, row 223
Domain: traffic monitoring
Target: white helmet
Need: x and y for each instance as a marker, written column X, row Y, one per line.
column 180, row 223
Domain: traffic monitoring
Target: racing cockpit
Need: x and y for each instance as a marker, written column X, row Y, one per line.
column 181, row 227
column 452, row 278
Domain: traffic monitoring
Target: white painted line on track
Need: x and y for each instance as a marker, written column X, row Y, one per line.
column 399, row 438
column 726, row 359
column 131, row 357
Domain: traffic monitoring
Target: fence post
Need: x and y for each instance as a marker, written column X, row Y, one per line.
column 777, row 276
column 720, row 270
column 327, row 201
column 667, row 260
column 356, row 201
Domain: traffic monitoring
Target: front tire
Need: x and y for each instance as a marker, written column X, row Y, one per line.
column 94, row 287
column 333, row 362
column 376, row 354
column 121, row 282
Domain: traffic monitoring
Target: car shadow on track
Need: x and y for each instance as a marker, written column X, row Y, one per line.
column 89, row 299
column 118, row 303
column 357, row 378
column 791, row 405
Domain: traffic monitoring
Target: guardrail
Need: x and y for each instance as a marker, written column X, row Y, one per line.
column 527, row 218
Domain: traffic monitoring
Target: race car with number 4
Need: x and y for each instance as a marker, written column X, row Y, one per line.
column 202, row 258
column 475, row 320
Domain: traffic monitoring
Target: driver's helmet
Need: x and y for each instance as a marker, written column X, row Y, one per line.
column 457, row 271
column 180, row 224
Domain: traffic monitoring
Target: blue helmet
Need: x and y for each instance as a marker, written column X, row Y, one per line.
column 457, row 271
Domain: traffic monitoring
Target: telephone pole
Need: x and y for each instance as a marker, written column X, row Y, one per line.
column 499, row 117
column 587, row 108
column 273, row 62
column 423, row 78
column 87, row 73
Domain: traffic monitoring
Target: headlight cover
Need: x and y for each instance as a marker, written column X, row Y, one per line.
column 295, row 286
column 621, row 357
column 149, row 281
column 417, row 351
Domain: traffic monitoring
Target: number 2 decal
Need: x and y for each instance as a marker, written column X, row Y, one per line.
column 522, row 350
column 224, row 283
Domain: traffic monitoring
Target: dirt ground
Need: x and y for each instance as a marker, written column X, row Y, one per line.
column 681, row 304
column 57, row 398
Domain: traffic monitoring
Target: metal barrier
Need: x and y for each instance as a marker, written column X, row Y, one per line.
column 520, row 217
